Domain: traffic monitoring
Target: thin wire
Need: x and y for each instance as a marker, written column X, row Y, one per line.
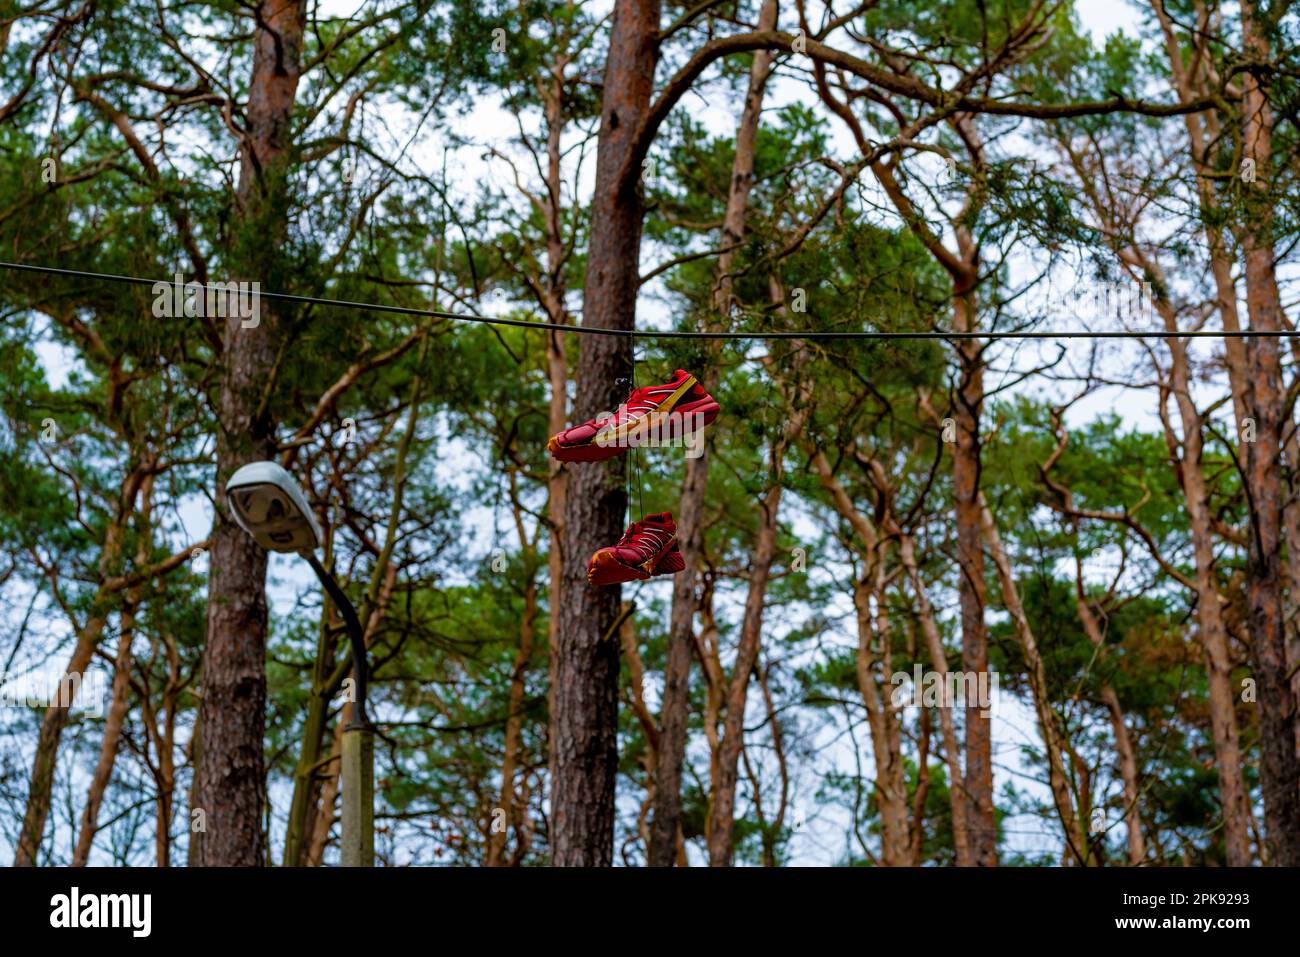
column 677, row 334
column 636, row 450
column 640, row 497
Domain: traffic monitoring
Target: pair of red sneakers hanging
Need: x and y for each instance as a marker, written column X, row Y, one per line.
column 671, row 413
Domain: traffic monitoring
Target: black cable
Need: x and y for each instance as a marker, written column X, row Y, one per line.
column 636, row 452
column 679, row 334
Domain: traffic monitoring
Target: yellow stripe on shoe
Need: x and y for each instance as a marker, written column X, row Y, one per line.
column 623, row 431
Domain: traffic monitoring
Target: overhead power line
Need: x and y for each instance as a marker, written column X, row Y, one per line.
column 672, row 333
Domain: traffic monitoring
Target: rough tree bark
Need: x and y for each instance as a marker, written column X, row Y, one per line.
column 1212, row 632
column 584, row 715
column 969, row 396
column 233, row 709
column 1265, row 396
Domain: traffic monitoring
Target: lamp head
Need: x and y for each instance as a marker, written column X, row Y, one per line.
column 268, row 504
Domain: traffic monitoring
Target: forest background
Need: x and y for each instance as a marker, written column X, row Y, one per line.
column 1108, row 526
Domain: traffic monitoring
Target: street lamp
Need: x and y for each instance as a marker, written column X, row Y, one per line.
column 268, row 504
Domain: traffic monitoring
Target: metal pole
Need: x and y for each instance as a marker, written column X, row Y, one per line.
column 358, row 769
column 358, row 834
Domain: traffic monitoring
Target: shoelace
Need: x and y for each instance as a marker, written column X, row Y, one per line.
column 652, row 545
column 633, row 530
column 636, row 405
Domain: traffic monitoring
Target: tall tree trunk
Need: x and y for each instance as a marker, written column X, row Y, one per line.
column 947, row 726
column 882, row 716
column 47, row 745
column 897, row 847
column 1291, row 526
column 322, row 818
column 584, row 716
column 57, row 712
column 514, row 729
column 721, row 828
column 164, row 743
column 1279, row 767
column 1206, row 128
column 970, row 563
column 1203, row 128
column 665, row 824
column 119, row 704
column 557, row 359
column 233, row 710
column 117, row 711
column 772, row 830
column 1128, row 768
column 1212, row 633
column 166, row 781
column 723, row 804
column 1054, row 747
column 305, row 775
column 963, row 270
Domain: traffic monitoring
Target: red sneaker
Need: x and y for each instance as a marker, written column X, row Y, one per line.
column 651, row 415
column 648, row 547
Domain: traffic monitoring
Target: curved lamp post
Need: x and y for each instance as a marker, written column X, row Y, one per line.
column 268, row 504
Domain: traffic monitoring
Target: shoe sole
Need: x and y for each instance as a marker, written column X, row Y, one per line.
column 581, row 453
column 606, row 569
